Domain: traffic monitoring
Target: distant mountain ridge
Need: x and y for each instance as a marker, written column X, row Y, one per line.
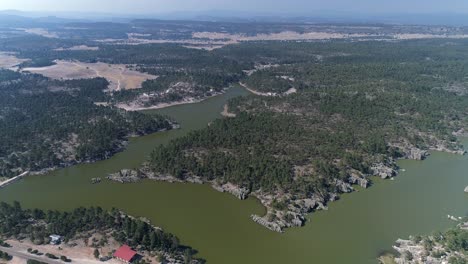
column 449, row 19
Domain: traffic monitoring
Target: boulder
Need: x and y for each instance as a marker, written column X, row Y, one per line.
column 466, row 189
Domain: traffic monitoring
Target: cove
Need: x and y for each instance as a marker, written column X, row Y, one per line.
column 354, row 230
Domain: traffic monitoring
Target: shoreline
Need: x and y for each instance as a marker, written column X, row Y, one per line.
column 122, row 147
column 192, row 100
column 299, row 208
column 288, row 92
column 255, row 92
column 14, row 179
column 156, row 107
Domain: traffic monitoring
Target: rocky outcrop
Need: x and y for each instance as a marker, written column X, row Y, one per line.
column 466, row 189
column 126, row 176
column 343, row 187
column 432, row 250
column 409, row 151
column 416, row 154
column 361, row 181
column 382, row 170
column 295, row 210
column 278, row 225
column 273, row 226
column 457, row 151
column 239, row 192
column 96, row 180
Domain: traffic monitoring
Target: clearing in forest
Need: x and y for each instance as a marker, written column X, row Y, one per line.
column 9, row 61
column 118, row 75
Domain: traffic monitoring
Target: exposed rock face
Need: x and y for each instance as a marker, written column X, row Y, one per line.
column 417, row 154
column 270, row 225
column 383, row 171
column 363, row 182
column 453, row 150
column 95, row 180
column 294, row 215
column 126, row 176
column 343, row 186
column 409, row 151
column 239, row 192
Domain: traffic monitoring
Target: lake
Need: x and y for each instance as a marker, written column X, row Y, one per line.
column 355, row 229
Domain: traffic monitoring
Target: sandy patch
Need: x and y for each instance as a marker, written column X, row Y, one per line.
column 226, row 112
column 137, row 107
column 40, row 32
column 269, row 94
column 118, row 75
column 80, row 47
column 188, row 43
column 78, row 254
column 17, row 260
column 80, row 250
column 291, row 35
column 428, row 36
column 285, row 35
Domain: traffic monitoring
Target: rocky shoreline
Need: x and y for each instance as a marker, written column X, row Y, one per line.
column 138, row 106
column 430, row 249
column 295, row 209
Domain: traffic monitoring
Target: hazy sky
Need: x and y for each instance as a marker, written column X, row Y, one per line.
column 257, row 6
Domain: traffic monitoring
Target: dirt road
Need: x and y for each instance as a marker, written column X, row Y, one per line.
column 22, row 254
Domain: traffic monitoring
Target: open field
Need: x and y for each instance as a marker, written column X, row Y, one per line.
column 9, row 61
column 80, row 47
column 296, row 36
column 39, row 31
column 78, row 254
column 118, row 75
column 204, row 44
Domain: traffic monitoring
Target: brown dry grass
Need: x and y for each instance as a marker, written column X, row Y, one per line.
column 9, row 61
column 119, row 76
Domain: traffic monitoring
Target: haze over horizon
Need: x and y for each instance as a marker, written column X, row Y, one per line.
column 302, row 7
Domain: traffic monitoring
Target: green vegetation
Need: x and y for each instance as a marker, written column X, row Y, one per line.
column 451, row 245
column 51, row 256
column 5, row 256
column 46, row 124
column 360, row 105
column 31, row 261
column 65, row 259
column 37, row 225
column 4, row 244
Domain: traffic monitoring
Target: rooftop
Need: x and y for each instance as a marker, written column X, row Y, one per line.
column 125, row 253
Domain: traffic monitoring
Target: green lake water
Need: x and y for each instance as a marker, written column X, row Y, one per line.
column 355, row 229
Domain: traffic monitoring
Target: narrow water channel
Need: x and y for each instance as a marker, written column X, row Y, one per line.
column 353, row 231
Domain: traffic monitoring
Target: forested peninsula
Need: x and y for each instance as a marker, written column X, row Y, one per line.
column 354, row 115
column 47, row 124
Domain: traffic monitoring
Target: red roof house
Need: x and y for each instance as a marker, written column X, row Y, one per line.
column 125, row 254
